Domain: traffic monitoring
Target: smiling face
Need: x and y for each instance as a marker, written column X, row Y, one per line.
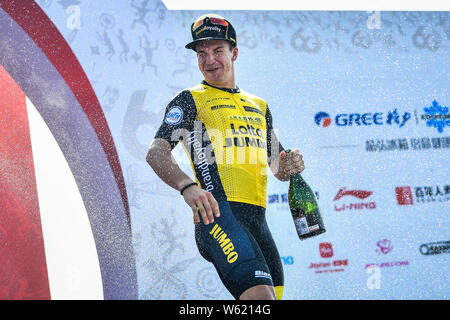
column 216, row 62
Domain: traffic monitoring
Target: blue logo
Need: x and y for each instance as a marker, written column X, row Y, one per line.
column 437, row 116
column 322, row 119
column 289, row 260
column 363, row 119
column 174, row 116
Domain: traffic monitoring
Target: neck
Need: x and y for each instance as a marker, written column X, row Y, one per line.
column 231, row 90
column 225, row 84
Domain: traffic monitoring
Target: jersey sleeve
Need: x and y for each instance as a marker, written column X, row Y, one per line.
column 178, row 119
column 274, row 146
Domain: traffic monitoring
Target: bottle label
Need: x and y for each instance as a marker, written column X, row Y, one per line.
column 302, row 225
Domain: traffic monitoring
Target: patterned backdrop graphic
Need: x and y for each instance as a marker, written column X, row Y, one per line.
column 363, row 95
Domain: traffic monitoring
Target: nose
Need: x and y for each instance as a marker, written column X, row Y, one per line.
column 209, row 58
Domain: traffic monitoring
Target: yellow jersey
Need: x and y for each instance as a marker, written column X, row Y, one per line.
column 228, row 137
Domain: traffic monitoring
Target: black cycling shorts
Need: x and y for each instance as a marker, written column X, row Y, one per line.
column 241, row 247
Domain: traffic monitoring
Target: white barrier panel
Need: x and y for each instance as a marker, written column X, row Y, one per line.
column 70, row 252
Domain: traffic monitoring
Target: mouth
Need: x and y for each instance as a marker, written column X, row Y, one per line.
column 211, row 70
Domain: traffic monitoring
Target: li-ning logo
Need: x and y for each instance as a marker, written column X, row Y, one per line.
column 225, row 243
column 360, row 194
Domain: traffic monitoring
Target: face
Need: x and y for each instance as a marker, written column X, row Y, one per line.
column 216, row 62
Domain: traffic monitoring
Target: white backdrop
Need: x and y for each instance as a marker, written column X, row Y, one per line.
column 374, row 76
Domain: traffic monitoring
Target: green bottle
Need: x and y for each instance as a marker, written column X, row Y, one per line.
column 304, row 208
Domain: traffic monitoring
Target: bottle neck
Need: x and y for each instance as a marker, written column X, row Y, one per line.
column 297, row 179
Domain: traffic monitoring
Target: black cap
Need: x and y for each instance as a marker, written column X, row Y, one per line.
column 211, row 27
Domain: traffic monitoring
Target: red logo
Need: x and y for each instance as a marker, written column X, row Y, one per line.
column 326, row 250
column 384, row 246
column 328, row 266
column 404, row 196
column 360, row 194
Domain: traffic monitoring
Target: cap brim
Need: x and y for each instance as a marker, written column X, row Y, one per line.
column 191, row 45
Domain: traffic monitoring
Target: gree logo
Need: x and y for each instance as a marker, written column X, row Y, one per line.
column 394, row 117
column 322, row 119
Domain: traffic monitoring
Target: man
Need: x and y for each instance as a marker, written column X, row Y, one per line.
column 227, row 133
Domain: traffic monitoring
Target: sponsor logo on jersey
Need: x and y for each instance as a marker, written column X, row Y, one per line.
column 262, row 274
column 223, row 106
column 245, row 136
column 225, row 243
column 201, row 161
column 174, row 116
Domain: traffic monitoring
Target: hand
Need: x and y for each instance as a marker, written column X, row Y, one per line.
column 291, row 163
column 201, row 201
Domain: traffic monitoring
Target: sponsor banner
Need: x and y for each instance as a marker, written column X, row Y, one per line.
column 432, row 120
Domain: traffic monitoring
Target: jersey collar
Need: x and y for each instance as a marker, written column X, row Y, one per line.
column 236, row 90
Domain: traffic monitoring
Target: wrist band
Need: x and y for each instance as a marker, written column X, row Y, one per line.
column 187, row 186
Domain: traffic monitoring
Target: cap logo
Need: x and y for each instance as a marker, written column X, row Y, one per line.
column 213, row 28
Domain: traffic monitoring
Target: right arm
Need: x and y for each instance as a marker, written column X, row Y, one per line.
column 159, row 157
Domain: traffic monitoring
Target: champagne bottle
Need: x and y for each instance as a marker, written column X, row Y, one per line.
column 304, row 208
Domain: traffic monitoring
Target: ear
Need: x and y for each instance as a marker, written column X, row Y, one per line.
column 235, row 53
